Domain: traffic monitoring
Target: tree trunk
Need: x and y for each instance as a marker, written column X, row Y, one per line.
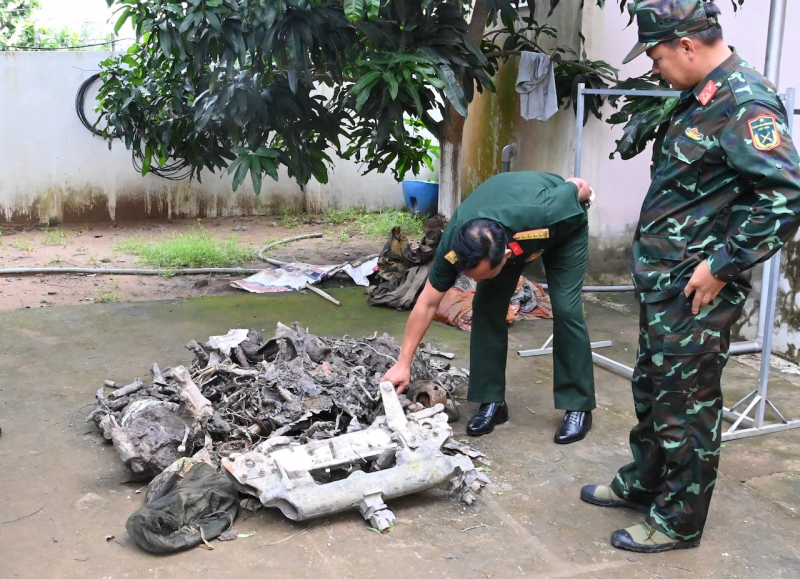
column 452, row 128
column 452, row 132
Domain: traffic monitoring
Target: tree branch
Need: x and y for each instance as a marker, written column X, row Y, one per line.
column 497, row 53
column 477, row 24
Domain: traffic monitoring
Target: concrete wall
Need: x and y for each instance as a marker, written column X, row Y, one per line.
column 494, row 120
column 52, row 168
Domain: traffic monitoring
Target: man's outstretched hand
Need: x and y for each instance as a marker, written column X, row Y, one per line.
column 399, row 375
column 704, row 286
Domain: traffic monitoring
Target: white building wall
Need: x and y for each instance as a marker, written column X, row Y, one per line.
column 52, row 168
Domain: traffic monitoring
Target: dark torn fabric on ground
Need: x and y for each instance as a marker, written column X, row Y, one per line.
column 529, row 302
column 402, row 271
column 188, row 504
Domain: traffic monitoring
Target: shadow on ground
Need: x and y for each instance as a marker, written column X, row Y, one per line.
column 530, row 523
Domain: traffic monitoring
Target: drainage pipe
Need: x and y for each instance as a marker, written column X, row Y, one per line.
column 508, row 152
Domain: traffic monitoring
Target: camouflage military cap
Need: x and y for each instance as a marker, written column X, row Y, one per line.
column 661, row 20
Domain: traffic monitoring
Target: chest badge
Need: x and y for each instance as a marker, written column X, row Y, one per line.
column 707, row 93
column 515, row 248
column 764, row 131
column 533, row 256
column 451, row 257
column 532, row 234
column 694, row 134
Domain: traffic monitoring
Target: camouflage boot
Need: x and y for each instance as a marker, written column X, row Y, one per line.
column 604, row 496
column 643, row 538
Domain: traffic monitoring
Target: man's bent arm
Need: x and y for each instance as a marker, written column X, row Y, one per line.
column 418, row 323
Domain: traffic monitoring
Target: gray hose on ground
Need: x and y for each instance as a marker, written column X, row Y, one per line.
column 602, row 288
column 269, row 246
column 131, row 271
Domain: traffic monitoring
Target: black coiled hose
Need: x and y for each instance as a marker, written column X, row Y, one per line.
column 174, row 170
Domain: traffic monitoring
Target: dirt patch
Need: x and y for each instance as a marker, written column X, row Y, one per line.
column 93, row 246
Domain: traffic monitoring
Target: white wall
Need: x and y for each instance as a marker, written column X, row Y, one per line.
column 52, row 168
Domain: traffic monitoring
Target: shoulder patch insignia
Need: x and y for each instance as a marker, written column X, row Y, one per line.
column 764, row 131
column 533, row 256
column 708, row 92
column 694, row 134
column 451, row 257
column 532, row 234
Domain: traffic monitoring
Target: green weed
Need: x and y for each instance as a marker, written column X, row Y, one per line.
column 288, row 220
column 56, row 260
column 23, row 244
column 55, row 236
column 196, row 248
column 104, row 296
column 339, row 216
column 379, row 225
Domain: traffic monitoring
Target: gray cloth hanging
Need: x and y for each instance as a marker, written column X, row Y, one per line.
column 536, row 85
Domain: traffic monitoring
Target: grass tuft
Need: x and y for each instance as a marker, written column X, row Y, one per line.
column 196, row 248
column 55, row 237
column 23, row 244
column 379, row 225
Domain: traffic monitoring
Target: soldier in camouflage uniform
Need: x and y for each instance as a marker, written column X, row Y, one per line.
column 725, row 196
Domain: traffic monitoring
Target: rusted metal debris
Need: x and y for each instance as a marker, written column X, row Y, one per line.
column 396, row 456
column 240, row 390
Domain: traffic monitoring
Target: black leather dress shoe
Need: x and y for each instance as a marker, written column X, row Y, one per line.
column 485, row 419
column 574, row 427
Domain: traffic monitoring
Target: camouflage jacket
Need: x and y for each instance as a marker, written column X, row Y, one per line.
column 726, row 187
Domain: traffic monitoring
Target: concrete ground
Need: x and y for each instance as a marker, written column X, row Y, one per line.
column 65, row 495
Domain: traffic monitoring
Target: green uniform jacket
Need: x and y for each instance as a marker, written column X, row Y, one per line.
column 726, row 187
column 520, row 201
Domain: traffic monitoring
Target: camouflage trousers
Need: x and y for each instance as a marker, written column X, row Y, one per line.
column 678, row 399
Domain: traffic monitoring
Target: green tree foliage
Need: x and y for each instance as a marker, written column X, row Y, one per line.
column 254, row 85
column 259, row 85
column 18, row 29
column 14, row 14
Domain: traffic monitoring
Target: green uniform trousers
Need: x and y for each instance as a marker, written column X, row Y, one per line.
column 678, row 399
column 564, row 260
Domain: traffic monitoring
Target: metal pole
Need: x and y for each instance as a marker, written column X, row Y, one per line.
column 777, row 21
column 769, row 296
column 579, row 130
column 769, row 293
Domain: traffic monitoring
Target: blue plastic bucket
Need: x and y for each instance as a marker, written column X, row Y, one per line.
column 421, row 196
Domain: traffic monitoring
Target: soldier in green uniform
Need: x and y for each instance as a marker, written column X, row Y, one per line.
column 509, row 220
column 725, row 196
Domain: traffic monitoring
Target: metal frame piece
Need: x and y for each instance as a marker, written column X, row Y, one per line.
column 743, row 424
column 396, row 456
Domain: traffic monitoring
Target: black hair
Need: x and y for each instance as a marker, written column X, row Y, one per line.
column 709, row 36
column 479, row 239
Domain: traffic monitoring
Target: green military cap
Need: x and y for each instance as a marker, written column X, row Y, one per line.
column 661, row 20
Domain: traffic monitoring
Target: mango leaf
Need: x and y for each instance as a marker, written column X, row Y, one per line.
column 121, row 21
column 453, row 90
column 374, row 8
column 255, row 174
column 354, row 10
column 241, row 172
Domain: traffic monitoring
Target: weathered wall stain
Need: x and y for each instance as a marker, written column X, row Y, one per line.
column 91, row 204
